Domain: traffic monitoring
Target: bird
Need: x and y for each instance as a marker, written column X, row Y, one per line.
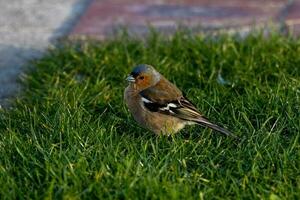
column 158, row 105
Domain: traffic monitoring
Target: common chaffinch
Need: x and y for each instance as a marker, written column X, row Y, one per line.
column 159, row 105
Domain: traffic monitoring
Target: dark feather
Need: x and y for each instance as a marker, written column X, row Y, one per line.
column 153, row 107
column 184, row 110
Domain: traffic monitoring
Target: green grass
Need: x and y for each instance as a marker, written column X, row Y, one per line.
column 70, row 135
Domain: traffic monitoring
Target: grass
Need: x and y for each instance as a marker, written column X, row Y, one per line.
column 70, row 135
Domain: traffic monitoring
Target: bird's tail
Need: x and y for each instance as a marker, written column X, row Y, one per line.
column 204, row 122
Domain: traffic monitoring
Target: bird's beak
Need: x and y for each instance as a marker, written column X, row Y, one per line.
column 130, row 79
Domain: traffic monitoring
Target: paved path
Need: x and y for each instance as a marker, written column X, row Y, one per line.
column 103, row 17
column 27, row 28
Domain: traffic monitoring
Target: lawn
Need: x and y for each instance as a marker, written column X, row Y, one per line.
column 70, row 135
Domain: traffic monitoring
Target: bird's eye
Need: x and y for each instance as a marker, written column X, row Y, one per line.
column 141, row 77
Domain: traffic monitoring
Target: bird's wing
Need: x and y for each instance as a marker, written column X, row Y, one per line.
column 179, row 107
column 166, row 98
column 162, row 93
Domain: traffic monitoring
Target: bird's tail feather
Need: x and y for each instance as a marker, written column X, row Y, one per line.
column 204, row 122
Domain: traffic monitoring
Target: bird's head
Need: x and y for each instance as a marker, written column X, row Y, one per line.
column 143, row 76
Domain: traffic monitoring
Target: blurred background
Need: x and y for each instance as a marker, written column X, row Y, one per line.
column 29, row 27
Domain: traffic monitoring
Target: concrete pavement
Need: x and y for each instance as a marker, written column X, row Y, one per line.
column 27, row 29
